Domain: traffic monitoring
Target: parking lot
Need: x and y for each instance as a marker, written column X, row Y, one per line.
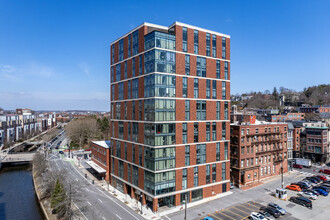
column 262, row 195
column 242, row 211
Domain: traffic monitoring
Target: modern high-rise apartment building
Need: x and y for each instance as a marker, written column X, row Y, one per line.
column 170, row 101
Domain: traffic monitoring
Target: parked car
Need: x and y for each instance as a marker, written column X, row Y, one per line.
column 302, row 186
column 318, row 178
column 271, row 211
column 312, row 191
column 323, row 187
column 322, row 177
column 277, row 207
column 301, row 201
column 309, row 183
column 256, row 216
column 267, row 215
column 308, row 195
column 293, row 187
column 231, row 186
column 321, row 191
column 61, row 152
column 208, row 218
column 325, row 171
column 305, row 184
column 313, row 180
column 297, row 166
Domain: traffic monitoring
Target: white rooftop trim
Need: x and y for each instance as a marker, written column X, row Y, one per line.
column 198, row 28
column 101, row 143
column 167, row 28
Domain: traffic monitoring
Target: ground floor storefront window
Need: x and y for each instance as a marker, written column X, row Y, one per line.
column 196, row 195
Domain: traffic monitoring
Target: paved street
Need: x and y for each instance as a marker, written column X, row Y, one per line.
column 93, row 202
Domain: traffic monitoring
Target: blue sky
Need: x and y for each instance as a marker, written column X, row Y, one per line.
column 54, row 55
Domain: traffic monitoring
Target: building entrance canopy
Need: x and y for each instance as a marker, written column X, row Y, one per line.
column 96, row 167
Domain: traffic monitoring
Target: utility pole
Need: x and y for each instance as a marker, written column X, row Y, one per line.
column 70, row 201
column 141, row 203
column 185, row 206
column 282, row 176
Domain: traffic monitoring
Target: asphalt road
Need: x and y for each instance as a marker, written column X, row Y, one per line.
column 92, row 201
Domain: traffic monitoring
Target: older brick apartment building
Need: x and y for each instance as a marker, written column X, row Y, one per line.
column 170, row 101
column 258, row 151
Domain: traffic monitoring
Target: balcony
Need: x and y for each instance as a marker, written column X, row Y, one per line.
column 271, row 150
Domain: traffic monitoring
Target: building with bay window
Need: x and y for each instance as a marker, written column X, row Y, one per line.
column 170, row 101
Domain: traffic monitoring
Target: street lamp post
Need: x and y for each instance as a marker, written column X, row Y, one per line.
column 141, row 203
column 282, row 176
column 185, row 207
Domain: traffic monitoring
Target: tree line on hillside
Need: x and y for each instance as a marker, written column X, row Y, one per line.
column 315, row 95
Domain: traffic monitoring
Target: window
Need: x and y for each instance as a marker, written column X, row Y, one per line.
column 196, row 195
column 214, row 131
column 218, row 69
column 111, row 75
column 129, row 173
column 208, row 174
column 214, row 89
column 223, row 48
column 251, row 161
column 218, row 110
column 129, row 130
column 140, row 65
column 118, row 110
column 187, row 110
column 135, row 175
column 226, row 110
column 184, row 39
column 159, row 134
column 112, row 54
column 195, row 132
column 201, row 66
column 135, row 49
column 133, row 67
column 223, row 130
column 133, row 110
column 201, row 110
column 208, row 89
column 187, row 155
column 217, row 155
column 120, row 91
column 118, row 153
column 125, row 72
column 121, row 169
column 226, row 70
column 140, row 155
column 208, row 44
column 208, row 134
column 129, row 83
column 242, row 150
column 184, row 178
column 140, row 110
column 195, row 41
column 159, row 85
column 214, row 45
column 195, row 88
column 226, row 150
column 247, row 162
column 129, row 45
column 214, row 173
column 135, row 88
column 223, row 175
column 223, row 90
column 195, row 176
column 121, row 50
column 184, row 133
column 135, row 132
column 242, row 163
column 159, row 39
column 118, row 72
column 184, row 86
column 159, row 61
column 187, row 65
column 133, row 153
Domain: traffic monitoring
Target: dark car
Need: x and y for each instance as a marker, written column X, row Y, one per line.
column 297, row 166
column 277, row 207
column 321, row 187
column 318, row 178
column 302, row 186
column 271, row 211
column 301, row 201
column 326, row 185
column 303, row 183
column 61, row 152
column 313, row 180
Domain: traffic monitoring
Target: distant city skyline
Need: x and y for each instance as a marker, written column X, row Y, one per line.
column 55, row 55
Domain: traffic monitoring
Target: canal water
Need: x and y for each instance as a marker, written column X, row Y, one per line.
column 17, row 197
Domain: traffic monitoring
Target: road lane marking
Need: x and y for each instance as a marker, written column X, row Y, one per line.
column 76, row 179
column 103, row 218
column 240, row 210
column 80, row 211
column 215, row 216
column 235, row 213
column 89, row 203
column 100, row 200
column 221, row 213
column 167, row 217
column 118, row 216
column 246, row 207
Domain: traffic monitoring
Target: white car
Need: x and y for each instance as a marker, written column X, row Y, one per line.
column 309, row 183
column 308, row 195
column 256, row 216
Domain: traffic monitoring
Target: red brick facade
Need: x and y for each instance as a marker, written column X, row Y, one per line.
column 125, row 117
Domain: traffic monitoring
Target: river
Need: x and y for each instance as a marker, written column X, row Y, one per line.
column 17, row 196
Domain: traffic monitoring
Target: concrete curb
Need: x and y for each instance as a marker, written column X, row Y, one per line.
column 38, row 196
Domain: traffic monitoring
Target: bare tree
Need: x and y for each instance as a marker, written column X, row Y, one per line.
column 83, row 130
